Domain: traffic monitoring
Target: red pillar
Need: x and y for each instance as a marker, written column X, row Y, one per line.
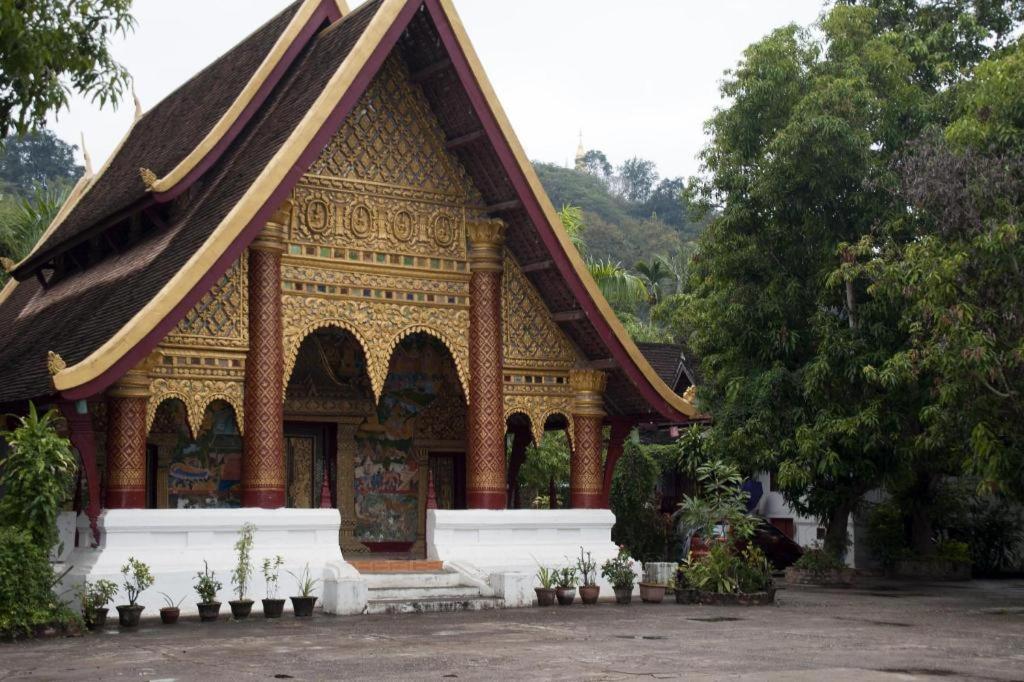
column 126, row 442
column 263, row 468
column 486, row 486
column 616, row 440
column 585, row 475
column 83, row 439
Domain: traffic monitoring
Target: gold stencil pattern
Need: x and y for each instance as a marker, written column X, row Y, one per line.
column 196, row 394
column 378, row 327
column 126, row 444
column 485, row 470
column 531, row 337
column 221, row 317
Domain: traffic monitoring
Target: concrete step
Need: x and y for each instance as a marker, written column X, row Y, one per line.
column 394, row 580
column 432, row 605
column 424, row 593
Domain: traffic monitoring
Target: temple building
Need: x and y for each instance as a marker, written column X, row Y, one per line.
column 320, row 288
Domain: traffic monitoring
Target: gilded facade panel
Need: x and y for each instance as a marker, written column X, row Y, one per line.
column 221, row 317
column 197, row 394
column 532, row 340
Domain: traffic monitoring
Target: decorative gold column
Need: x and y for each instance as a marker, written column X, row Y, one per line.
column 585, row 475
column 126, row 441
column 347, row 428
column 263, row 462
column 485, row 470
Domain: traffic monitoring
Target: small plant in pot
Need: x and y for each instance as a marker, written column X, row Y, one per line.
column 619, row 572
column 272, row 606
column 587, row 567
column 94, row 598
column 242, row 575
column 651, row 592
column 136, row 579
column 207, row 587
column 169, row 614
column 566, row 586
column 304, row 602
column 546, row 592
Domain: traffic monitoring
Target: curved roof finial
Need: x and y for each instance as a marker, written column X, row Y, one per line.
column 87, row 158
column 138, row 104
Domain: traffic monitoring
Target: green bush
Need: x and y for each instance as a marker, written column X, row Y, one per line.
column 886, row 534
column 953, row 550
column 726, row 571
column 36, row 477
column 819, row 562
column 27, row 601
column 639, row 526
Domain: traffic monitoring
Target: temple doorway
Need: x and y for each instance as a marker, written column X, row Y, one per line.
column 376, row 456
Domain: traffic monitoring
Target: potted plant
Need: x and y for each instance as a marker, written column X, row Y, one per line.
column 242, row 575
column 272, row 606
column 650, row 591
column 306, row 583
column 587, row 567
column 169, row 614
column 685, row 592
column 136, row 579
column 565, row 590
column 546, row 591
column 207, row 587
column 619, row 572
column 94, row 598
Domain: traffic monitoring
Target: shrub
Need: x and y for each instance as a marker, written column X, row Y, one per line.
column 137, row 579
column 242, row 574
column 207, row 585
column 619, row 570
column 567, row 577
column 27, row 600
column 726, row 571
column 819, row 562
column 271, row 574
column 953, row 550
column 638, row 524
column 886, row 534
column 36, row 477
column 93, row 596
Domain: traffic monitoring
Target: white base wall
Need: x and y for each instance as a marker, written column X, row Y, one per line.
column 175, row 542
column 505, row 547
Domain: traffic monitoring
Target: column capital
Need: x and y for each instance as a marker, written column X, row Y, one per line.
column 134, row 384
column 486, row 244
column 588, row 391
column 271, row 237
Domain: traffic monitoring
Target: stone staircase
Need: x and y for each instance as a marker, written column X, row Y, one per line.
column 424, row 591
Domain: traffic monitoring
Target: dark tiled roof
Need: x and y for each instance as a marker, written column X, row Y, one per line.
column 77, row 315
column 666, row 359
column 170, row 131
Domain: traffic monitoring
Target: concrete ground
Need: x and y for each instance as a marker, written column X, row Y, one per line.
column 878, row 630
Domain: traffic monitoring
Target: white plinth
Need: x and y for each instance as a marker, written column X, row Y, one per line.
column 175, row 542
column 517, row 541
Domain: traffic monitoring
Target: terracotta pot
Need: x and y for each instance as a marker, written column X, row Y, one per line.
column 273, row 608
column 303, row 606
column 545, row 596
column 208, row 612
column 98, row 618
column 590, row 593
column 169, row 615
column 240, row 608
column 128, row 615
column 566, row 595
column 651, row 593
column 623, row 595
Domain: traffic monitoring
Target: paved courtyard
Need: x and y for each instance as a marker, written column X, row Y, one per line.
column 876, row 631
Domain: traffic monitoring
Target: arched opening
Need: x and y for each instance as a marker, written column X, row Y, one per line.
column 190, row 471
column 376, row 457
column 415, row 435
column 540, row 479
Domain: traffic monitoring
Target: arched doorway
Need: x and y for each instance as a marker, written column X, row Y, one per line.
column 194, row 465
column 377, row 457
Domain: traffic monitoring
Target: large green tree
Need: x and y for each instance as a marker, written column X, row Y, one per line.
column 51, row 48
column 800, row 167
column 36, row 159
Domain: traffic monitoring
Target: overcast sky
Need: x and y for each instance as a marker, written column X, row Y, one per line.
column 638, row 77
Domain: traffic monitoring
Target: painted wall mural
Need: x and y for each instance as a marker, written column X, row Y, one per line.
column 386, row 467
column 206, row 471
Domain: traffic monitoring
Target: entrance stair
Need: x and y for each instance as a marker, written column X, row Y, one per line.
column 409, row 589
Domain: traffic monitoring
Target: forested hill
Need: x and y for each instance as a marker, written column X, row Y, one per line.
column 628, row 215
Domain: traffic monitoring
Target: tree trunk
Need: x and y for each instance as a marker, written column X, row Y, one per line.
column 836, row 537
column 921, row 507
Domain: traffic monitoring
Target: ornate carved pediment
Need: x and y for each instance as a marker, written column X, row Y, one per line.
column 531, row 338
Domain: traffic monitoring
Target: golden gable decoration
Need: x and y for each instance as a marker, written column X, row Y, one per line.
column 531, row 338
column 221, row 317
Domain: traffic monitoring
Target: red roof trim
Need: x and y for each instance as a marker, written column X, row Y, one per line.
column 142, row 349
column 532, row 206
column 328, row 12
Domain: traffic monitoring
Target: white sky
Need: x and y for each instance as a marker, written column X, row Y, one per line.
column 638, row 77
